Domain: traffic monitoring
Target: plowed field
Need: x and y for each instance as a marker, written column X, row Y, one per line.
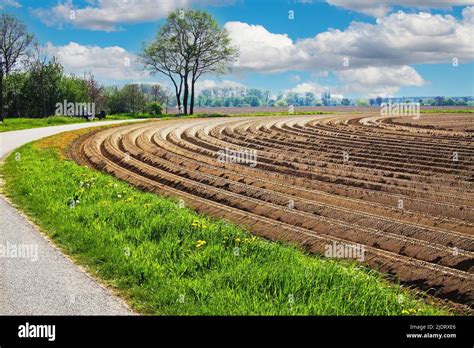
column 403, row 191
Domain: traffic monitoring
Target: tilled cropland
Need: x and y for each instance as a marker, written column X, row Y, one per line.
column 399, row 191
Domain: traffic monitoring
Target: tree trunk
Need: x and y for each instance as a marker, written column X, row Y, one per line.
column 1, row 96
column 178, row 97
column 191, row 107
column 186, row 93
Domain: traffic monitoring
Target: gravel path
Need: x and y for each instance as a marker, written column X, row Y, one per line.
column 43, row 281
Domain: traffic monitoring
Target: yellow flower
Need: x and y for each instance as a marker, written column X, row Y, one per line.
column 237, row 240
column 200, row 243
column 197, row 223
column 404, row 311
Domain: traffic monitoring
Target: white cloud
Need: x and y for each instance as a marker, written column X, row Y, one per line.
column 206, row 84
column 107, row 63
column 12, row 3
column 308, row 87
column 375, row 81
column 380, row 8
column 384, row 50
column 391, row 41
column 262, row 50
column 107, row 15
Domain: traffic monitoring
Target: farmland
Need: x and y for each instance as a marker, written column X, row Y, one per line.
column 401, row 189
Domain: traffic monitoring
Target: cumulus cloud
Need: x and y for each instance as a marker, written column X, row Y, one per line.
column 206, row 84
column 107, row 63
column 262, row 50
column 11, row 3
column 384, row 49
column 380, row 8
column 374, row 81
column 107, row 15
column 308, row 87
column 412, row 39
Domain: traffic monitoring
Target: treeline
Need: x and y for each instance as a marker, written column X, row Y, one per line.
column 232, row 97
column 36, row 91
column 239, row 96
column 136, row 99
column 32, row 85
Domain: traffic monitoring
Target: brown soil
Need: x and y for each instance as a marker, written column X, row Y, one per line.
column 317, row 180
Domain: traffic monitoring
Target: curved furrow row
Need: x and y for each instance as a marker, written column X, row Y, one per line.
column 258, row 173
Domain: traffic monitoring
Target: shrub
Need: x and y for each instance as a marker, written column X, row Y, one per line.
column 154, row 108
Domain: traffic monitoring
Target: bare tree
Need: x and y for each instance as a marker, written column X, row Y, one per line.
column 95, row 90
column 15, row 43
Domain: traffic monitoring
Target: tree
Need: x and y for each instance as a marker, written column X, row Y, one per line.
column 134, row 98
column 13, row 87
column 362, row 102
column 15, row 42
column 163, row 55
column 44, row 83
column 158, row 94
column 115, row 102
column 345, row 102
column 187, row 46
column 154, row 108
column 41, row 86
column 95, row 91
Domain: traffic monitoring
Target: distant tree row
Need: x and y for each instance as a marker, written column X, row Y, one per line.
column 238, row 96
column 436, row 101
column 136, row 99
column 31, row 84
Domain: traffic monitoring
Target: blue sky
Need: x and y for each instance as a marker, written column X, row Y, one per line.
column 408, row 55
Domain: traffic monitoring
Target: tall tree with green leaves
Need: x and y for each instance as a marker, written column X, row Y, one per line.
column 188, row 45
column 15, row 43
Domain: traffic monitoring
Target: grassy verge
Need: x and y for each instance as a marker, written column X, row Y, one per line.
column 12, row 124
column 168, row 260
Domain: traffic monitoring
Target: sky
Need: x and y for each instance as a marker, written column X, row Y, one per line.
column 350, row 48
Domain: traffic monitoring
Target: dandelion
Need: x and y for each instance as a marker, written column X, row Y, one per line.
column 200, row 243
column 197, row 223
